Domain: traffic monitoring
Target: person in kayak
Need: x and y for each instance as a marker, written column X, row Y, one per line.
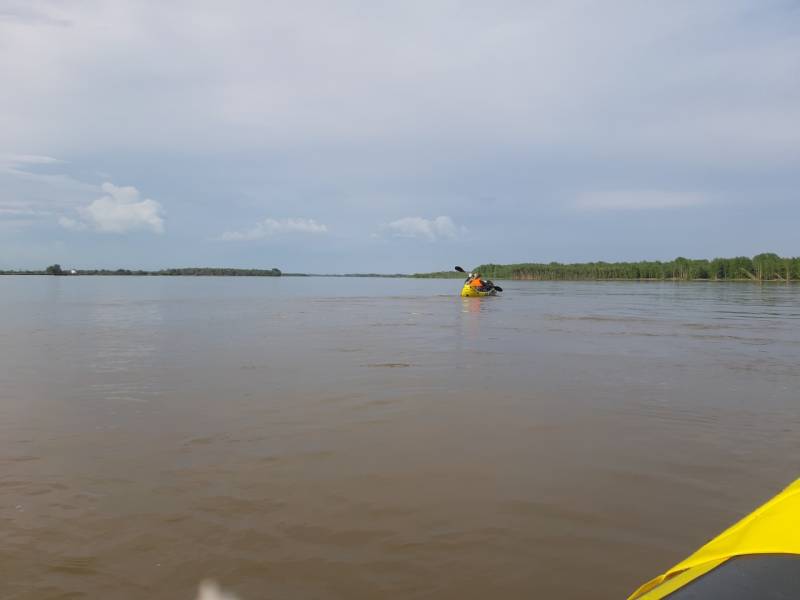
column 476, row 282
column 475, row 285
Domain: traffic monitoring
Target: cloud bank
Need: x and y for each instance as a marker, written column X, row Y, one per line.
column 688, row 80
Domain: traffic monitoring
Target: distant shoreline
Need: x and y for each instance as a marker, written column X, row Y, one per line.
column 56, row 270
column 425, row 276
column 767, row 267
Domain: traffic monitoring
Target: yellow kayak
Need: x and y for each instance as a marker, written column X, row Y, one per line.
column 758, row 557
column 470, row 292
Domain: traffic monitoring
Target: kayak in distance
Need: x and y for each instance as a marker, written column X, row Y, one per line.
column 477, row 287
column 757, row 558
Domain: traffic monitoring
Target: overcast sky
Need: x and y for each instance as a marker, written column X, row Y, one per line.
column 339, row 136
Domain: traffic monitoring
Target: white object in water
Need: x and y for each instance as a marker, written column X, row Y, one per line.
column 209, row 590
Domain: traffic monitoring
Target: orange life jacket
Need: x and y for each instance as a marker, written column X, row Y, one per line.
column 476, row 282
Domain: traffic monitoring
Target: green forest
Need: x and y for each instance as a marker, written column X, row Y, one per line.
column 762, row 267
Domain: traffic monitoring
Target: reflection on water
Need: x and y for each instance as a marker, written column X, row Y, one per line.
column 383, row 438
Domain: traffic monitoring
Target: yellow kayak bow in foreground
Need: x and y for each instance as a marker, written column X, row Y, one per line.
column 758, row 557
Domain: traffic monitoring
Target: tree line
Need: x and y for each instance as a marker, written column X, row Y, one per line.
column 188, row 271
column 762, row 267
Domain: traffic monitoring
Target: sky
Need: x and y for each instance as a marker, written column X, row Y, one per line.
column 374, row 136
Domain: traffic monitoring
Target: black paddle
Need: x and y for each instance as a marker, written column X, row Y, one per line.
column 497, row 287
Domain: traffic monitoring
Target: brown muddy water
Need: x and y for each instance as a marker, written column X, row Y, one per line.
column 383, row 439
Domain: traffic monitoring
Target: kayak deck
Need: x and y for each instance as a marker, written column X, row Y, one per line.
column 758, row 557
column 762, row 576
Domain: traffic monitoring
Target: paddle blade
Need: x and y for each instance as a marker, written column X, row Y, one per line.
column 459, row 269
column 498, row 288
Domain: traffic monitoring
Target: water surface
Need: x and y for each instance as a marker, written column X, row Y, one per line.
column 370, row 438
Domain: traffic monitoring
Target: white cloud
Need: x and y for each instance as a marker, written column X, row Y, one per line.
column 12, row 209
column 627, row 200
column 72, row 224
column 119, row 211
column 271, row 227
column 31, row 193
column 12, row 160
column 438, row 228
column 26, row 14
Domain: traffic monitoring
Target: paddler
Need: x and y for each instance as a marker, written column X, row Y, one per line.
column 476, row 282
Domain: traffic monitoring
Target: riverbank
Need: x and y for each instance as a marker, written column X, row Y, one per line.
column 761, row 267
